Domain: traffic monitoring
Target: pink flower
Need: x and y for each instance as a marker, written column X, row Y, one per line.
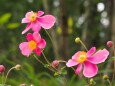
column 36, row 21
column 89, row 60
column 35, row 43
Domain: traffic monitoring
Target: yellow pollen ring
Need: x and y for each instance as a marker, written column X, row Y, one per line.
column 32, row 45
column 33, row 17
column 82, row 57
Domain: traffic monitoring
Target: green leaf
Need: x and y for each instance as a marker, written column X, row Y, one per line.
column 13, row 25
column 5, row 18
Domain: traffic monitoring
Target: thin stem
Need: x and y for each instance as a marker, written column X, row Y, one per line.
column 38, row 59
column 49, row 36
column 2, row 78
column 45, row 58
column 7, row 75
column 83, row 45
column 42, row 62
column 72, row 68
column 109, row 82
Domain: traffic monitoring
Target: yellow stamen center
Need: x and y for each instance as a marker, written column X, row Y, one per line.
column 32, row 45
column 33, row 17
column 82, row 57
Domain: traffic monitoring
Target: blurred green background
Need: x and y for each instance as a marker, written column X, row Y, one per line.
column 91, row 20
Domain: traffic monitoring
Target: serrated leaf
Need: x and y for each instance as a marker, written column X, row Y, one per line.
column 5, row 18
column 13, row 25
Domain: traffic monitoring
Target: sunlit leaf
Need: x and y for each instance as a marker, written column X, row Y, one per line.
column 5, row 18
column 13, row 25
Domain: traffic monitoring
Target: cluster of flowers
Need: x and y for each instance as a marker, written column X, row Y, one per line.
column 35, row 43
column 35, row 22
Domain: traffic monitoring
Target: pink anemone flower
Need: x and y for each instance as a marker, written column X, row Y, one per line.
column 89, row 60
column 36, row 21
column 35, row 44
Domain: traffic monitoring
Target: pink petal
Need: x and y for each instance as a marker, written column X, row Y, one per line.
column 40, row 13
column 90, row 70
column 99, row 57
column 25, row 49
column 27, row 28
column 25, row 20
column 71, row 63
column 47, row 21
column 37, row 51
column 91, row 51
column 29, row 37
column 36, row 27
column 37, row 37
column 28, row 14
column 76, row 55
column 42, row 44
column 79, row 68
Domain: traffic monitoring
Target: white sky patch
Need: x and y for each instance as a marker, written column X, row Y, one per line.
column 30, row 1
column 105, row 21
column 80, row 21
column 100, row 7
column 56, row 3
column 104, row 14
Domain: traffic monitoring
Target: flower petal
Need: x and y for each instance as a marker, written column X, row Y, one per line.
column 40, row 13
column 76, row 55
column 71, row 63
column 79, row 68
column 25, row 49
column 25, row 20
column 28, row 14
column 29, row 37
column 91, row 51
column 37, row 37
column 90, row 69
column 99, row 57
column 42, row 44
column 35, row 26
column 47, row 21
column 37, row 51
column 27, row 28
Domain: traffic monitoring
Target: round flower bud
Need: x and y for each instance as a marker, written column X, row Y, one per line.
column 109, row 43
column 55, row 63
column 22, row 84
column 105, row 77
column 92, row 82
column 77, row 40
column 18, row 67
column 2, row 69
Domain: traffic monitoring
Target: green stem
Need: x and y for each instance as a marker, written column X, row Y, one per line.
column 2, row 78
column 46, row 58
column 38, row 59
column 49, row 36
column 109, row 82
column 42, row 62
column 7, row 75
column 83, row 45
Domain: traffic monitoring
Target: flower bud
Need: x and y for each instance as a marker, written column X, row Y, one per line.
column 2, row 69
column 109, row 43
column 92, row 82
column 77, row 40
column 22, row 84
column 18, row 67
column 55, row 63
column 105, row 77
